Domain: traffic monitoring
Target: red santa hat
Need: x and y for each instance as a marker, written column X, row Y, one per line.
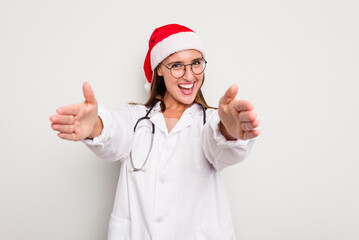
column 165, row 41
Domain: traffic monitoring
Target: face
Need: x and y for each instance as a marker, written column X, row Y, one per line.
column 182, row 90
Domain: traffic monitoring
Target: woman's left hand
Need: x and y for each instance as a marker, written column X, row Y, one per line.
column 238, row 121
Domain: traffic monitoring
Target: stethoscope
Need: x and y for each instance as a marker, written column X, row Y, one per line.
column 146, row 117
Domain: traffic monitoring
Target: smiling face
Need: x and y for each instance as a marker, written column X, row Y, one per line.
column 181, row 91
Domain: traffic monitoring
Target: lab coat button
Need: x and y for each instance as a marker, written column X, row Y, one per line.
column 168, row 147
column 159, row 219
column 163, row 179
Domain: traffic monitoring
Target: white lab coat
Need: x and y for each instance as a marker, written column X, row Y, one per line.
column 180, row 195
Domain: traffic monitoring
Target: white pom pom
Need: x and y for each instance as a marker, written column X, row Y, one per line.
column 148, row 87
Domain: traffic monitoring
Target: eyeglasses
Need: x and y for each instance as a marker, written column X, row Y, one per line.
column 178, row 70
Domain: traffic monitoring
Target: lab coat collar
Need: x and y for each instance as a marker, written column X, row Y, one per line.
column 186, row 119
column 156, row 108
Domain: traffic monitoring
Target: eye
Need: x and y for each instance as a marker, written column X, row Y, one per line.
column 196, row 62
column 177, row 66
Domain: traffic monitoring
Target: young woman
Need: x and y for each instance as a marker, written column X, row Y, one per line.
column 171, row 149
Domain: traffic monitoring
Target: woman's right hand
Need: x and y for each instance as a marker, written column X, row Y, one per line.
column 78, row 121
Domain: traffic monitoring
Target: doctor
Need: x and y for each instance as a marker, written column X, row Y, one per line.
column 171, row 148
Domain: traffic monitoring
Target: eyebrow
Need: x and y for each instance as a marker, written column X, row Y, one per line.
column 181, row 62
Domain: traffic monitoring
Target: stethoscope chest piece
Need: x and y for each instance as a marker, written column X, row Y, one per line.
column 143, row 169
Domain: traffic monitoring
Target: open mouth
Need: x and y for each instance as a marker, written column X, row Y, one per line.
column 186, row 88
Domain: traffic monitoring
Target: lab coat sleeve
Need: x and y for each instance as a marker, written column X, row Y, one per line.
column 114, row 142
column 219, row 151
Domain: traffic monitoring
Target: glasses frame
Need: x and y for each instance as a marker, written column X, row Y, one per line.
column 185, row 68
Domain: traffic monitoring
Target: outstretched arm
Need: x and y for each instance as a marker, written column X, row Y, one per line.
column 78, row 121
column 238, row 121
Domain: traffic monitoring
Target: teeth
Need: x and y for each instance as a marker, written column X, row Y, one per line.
column 187, row 86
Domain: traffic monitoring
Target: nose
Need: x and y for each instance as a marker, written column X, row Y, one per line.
column 189, row 75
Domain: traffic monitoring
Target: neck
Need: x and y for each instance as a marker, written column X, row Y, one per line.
column 174, row 109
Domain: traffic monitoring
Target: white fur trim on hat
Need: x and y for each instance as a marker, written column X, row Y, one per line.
column 175, row 43
column 147, row 87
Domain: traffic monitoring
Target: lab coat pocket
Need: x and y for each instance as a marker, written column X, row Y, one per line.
column 202, row 165
column 119, row 229
column 224, row 232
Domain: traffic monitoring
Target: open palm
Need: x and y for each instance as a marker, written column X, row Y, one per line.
column 77, row 121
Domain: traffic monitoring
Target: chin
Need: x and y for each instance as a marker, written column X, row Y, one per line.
column 187, row 101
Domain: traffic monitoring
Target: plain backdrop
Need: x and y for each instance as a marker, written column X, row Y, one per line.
column 296, row 61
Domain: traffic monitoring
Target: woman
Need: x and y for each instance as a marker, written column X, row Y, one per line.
column 171, row 148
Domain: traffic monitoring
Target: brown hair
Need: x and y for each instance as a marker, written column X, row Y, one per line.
column 158, row 90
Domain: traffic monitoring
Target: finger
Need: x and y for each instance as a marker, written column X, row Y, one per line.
column 247, row 116
column 229, row 95
column 62, row 119
column 63, row 128
column 251, row 134
column 72, row 109
column 67, row 136
column 248, row 126
column 88, row 93
column 243, row 105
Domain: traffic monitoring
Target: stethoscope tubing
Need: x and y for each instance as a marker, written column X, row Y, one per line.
column 142, row 168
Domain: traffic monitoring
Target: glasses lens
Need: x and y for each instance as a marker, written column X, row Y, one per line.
column 198, row 66
column 177, row 70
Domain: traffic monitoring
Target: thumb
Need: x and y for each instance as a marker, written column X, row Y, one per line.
column 229, row 95
column 88, row 93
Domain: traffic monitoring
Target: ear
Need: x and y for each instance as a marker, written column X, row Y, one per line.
column 159, row 71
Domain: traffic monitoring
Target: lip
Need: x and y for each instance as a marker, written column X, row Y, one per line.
column 186, row 91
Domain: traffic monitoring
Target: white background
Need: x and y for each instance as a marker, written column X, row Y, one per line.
column 296, row 61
